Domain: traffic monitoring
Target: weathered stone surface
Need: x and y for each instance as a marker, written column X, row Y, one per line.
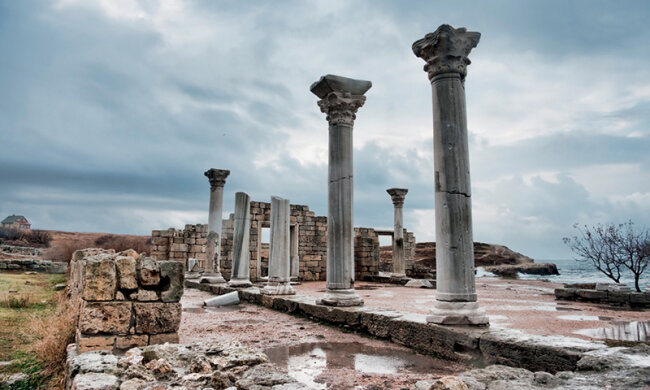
column 94, row 343
column 418, row 283
column 126, row 273
column 154, row 318
column 128, row 342
column 96, row 361
column 172, row 278
column 163, row 338
column 100, row 281
column 147, row 295
column 130, row 253
column 148, row 271
column 526, row 268
column 95, row 381
column 263, row 375
column 444, row 383
column 105, row 317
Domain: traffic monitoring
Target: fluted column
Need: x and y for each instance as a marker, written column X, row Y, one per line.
column 241, row 254
column 340, row 97
column 445, row 52
column 397, row 195
column 217, row 178
column 279, row 261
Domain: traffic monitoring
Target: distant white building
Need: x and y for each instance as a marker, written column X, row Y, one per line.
column 16, row 222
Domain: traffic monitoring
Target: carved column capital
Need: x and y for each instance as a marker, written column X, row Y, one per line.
column 340, row 97
column 397, row 195
column 217, row 177
column 446, row 49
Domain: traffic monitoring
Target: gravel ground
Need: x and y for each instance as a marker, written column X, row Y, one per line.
column 318, row 355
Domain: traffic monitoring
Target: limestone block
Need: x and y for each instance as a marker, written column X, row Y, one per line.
column 148, row 271
column 105, row 317
column 94, row 343
column 126, row 273
column 95, row 381
column 639, row 299
column 163, row 338
column 179, row 247
column 160, row 241
column 592, row 295
column 172, row 277
column 147, row 295
column 100, row 280
column 131, row 341
column 154, row 318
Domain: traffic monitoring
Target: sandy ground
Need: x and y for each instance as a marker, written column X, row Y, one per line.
column 527, row 305
column 313, row 353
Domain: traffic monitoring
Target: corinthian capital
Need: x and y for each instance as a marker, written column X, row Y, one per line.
column 446, row 49
column 397, row 195
column 217, row 177
column 341, row 97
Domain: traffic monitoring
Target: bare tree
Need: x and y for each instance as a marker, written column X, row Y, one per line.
column 613, row 248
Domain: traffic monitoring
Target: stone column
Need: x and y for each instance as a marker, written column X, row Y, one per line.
column 293, row 251
column 279, row 262
column 445, row 52
column 241, row 254
column 212, row 274
column 399, row 267
column 340, row 97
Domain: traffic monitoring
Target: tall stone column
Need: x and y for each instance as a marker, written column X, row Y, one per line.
column 279, row 261
column 241, row 254
column 340, row 97
column 397, row 195
column 212, row 274
column 445, row 52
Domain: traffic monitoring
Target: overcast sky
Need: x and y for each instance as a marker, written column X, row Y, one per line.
column 110, row 111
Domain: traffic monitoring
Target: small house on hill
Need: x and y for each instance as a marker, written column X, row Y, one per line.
column 16, row 222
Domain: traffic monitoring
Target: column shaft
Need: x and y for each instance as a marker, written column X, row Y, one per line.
column 399, row 268
column 279, row 259
column 241, row 236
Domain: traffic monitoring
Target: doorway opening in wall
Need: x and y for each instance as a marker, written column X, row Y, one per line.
column 385, row 250
column 263, row 252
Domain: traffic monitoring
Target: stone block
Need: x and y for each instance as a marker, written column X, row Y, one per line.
column 94, row 343
column 172, row 276
column 131, row 341
column 179, row 247
column 126, row 273
column 100, row 279
column 147, row 295
column 566, row 293
column 592, row 295
column 148, row 271
column 160, row 241
column 163, row 338
column 154, row 318
column 105, row 317
column 640, row 299
column 618, row 297
column 95, row 381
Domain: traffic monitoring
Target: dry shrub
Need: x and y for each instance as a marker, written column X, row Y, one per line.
column 121, row 243
column 38, row 237
column 53, row 333
column 64, row 249
column 16, row 301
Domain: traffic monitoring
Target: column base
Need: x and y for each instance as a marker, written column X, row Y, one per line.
column 458, row 313
column 343, row 297
column 239, row 283
column 192, row 275
column 278, row 289
column 212, row 278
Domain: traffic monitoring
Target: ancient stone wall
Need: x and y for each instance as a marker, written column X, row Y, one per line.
column 46, row 266
column 124, row 299
column 180, row 245
column 310, row 245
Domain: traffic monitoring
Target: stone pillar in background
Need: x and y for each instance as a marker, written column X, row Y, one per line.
column 399, row 267
column 340, row 97
column 241, row 254
column 445, row 52
column 212, row 272
column 295, row 259
column 279, row 261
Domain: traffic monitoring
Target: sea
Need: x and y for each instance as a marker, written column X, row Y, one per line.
column 574, row 271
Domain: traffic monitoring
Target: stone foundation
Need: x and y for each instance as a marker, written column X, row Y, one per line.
column 124, row 300
column 46, row 266
column 180, row 245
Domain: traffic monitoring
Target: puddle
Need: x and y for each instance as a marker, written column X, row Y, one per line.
column 621, row 331
column 364, row 287
column 578, row 317
column 305, row 362
column 526, row 307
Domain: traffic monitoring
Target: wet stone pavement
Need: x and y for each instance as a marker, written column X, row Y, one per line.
column 319, row 356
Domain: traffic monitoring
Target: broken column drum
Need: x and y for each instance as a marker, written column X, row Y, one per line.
column 241, row 254
column 445, row 52
column 279, row 260
column 397, row 195
column 212, row 274
column 340, row 97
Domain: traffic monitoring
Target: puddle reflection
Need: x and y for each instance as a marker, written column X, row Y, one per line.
column 305, row 362
column 622, row 331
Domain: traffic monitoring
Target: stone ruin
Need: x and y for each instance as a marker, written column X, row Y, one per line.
column 308, row 245
column 124, row 299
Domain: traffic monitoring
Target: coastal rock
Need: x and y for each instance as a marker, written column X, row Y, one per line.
column 528, row 268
